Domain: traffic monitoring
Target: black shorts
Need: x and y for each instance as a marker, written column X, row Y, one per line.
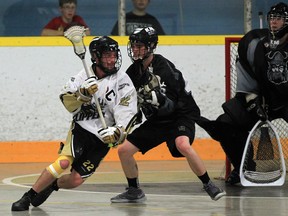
column 88, row 151
column 151, row 134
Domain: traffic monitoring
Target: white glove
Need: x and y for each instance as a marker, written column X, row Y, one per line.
column 89, row 87
column 113, row 135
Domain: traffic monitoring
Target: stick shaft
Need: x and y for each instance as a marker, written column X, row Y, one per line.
column 260, row 14
column 94, row 96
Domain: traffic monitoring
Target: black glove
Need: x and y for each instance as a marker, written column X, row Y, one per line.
column 255, row 106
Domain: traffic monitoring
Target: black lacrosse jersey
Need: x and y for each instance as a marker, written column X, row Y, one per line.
column 262, row 67
column 176, row 89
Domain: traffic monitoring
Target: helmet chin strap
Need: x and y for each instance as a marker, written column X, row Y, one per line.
column 106, row 72
column 142, row 60
column 142, row 69
column 279, row 34
column 149, row 52
column 139, row 59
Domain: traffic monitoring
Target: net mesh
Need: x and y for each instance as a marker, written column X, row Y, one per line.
column 260, row 177
column 231, row 55
column 262, row 162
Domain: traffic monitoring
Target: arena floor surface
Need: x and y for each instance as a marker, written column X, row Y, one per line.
column 171, row 189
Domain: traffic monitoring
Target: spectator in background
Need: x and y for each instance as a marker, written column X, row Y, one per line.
column 68, row 15
column 138, row 18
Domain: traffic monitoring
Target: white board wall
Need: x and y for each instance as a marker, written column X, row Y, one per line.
column 31, row 79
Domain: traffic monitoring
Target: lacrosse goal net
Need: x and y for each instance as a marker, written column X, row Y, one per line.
column 231, row 46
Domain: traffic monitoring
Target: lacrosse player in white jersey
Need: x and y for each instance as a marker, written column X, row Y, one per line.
column 87, row 141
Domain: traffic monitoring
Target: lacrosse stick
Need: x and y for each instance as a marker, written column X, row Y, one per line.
column 260, row 14
column 75, row 34
column 256, row 170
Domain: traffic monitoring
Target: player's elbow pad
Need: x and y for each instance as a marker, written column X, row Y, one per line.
column 70, row 102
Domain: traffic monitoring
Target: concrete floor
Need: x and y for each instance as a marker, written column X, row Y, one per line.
column 170, row 187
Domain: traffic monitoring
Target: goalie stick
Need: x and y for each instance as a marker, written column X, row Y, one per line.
column 262, row 170
column 75, row 34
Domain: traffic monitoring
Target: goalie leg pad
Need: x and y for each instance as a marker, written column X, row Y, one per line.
column 60, row 165
column 231, row 138
column 232, row 141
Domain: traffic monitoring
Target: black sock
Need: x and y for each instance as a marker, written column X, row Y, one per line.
column 133, row 182
column 204, row 178
column 31, row 193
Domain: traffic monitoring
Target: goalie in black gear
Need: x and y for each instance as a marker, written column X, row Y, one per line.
column 170, row 112
column 262, row 87
column 87, row 142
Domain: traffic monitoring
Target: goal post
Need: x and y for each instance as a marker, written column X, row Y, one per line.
column 231, row 46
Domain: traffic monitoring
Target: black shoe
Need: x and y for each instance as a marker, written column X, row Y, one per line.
column 213, row 191
column 43, row 195
column 131, row 195
column 233, row 178
column 22, row 204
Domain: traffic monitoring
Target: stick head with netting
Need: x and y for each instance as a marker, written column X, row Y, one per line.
column 75, row 34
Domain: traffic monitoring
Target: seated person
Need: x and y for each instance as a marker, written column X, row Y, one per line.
column 68, row 15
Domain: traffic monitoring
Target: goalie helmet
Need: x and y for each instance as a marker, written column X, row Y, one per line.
column 100, row 45
column 279, row 10
column 147, row 36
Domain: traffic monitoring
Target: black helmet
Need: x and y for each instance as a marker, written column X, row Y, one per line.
column 148, row 36
column 98, row 46
column 278, row 10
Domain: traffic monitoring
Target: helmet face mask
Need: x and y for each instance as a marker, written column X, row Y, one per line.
column 142, row 43
column 138, row 51
column 278, row 12
column 109, row 59
column 105, row 53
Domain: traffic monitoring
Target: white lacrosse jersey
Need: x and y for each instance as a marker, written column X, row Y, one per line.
column 116, row 95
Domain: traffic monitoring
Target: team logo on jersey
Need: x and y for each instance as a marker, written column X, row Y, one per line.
column 125, row 101
column 109, row 95
column 274, row 43
column 277, row 67
column 88, row 112
column 181, row 128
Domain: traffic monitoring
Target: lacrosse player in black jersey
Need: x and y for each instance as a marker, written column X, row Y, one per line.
column 170, row 112
column 87, row 142
column 262, row 76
